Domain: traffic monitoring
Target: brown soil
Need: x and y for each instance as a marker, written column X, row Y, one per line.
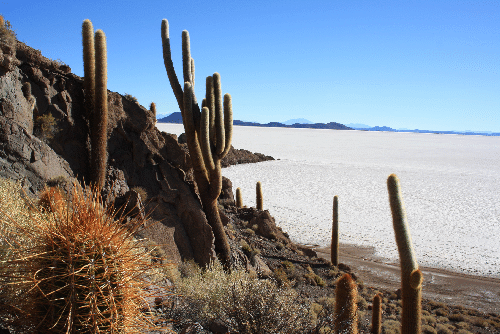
column 481, row 293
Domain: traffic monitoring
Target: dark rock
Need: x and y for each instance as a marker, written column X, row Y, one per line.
column 267, row 226
column 240, row 156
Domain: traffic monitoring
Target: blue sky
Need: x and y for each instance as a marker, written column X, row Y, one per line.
column 431, row 65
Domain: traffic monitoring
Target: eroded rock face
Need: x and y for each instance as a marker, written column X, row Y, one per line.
column 139, row 155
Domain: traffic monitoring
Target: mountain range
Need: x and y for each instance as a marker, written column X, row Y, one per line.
column 176, row 117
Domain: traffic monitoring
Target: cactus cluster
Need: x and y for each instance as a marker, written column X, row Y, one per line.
column 96, row 100
column 208, row 134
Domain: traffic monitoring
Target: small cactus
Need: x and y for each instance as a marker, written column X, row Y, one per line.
column 152, row 108
column 411, row 276
column 346, row 298
column 377, row 314
column 239, row 198
column 259, row 200
column 334, row 251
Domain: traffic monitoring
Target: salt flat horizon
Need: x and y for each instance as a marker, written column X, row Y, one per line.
column 450, row 186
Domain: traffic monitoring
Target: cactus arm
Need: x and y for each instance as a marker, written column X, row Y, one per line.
column 169, row 65
column 210, row 104
column 411, row 276
column 191, row 133
column 205, row 140
column 186, row 57
column 192, row 71
column 334, row 251
column 228, row 124
column 219, row 122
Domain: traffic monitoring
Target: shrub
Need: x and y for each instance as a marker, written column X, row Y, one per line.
column 45, row 127
column 244, row 304
column 7, row 35
column 130, row 97
column 70, row 267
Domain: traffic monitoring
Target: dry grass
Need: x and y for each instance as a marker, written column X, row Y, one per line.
column 242, row 302
column 71, row 268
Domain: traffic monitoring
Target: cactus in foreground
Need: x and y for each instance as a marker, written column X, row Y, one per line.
column 334, row 251
column 259, row 199
column 411, row 276
column 96, row 100
column 377, row 314
column 346, row 298
column 76, row 269
column 208, row 134
column 239, row 198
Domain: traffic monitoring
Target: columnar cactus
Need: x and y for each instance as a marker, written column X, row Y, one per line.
column 411, row 276
column 334, row 251
column 208, row 134
column 259, row 199
column 377, row 314
column 96, row 100
column 346, row 298
column 239, row 198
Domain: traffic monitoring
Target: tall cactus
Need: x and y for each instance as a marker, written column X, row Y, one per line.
column 377, row 314
column 346, row 298
column 96, row 100
column 259, row 198
column 411, row 276
column 334, row 251
column 208, row 134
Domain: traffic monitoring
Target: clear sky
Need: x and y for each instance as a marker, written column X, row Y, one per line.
column 422, row 64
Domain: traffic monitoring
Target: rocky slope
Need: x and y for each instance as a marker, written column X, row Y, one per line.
column 38, row 149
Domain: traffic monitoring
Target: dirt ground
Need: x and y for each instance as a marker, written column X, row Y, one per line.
column 481, row 293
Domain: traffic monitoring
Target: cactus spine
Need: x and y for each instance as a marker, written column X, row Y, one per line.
column 346, row 298
column 208, row 142
column 377, row 314
column 334, row 252
column 239, row 198
column 259, row 199
column 411, row 276
column 96, row 100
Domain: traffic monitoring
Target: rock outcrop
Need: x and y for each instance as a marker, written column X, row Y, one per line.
column 140, row 157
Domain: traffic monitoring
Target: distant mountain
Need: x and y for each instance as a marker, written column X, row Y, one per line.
column 331, row 125
column 297, row 121
column 358, row 126
column 175, row 117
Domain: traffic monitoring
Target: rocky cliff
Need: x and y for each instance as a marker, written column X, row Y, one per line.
column 44, row 139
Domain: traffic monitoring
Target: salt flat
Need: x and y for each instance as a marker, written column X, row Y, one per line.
column 450, row 185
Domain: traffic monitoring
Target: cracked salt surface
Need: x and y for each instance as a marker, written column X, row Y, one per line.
column 450, row 185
